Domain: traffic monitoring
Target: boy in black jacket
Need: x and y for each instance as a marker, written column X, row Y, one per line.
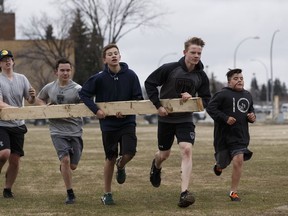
column 183, row 79
column 232, row 109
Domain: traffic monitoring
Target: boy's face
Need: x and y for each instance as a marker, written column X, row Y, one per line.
column 64, row 72
column 193, row 54
column 236, row 82
column 112, row 57
column 6, row 63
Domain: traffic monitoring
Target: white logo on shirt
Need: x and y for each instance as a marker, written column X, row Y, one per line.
column 243, row 105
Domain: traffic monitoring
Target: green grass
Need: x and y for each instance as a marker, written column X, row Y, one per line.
column 39, row 188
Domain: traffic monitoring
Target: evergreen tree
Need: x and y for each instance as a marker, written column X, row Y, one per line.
column 269, row 89
column 88, row 48
column 78, row 33
column 277, row 88
column 95, row 49
column 284, row 89
column 49, row 32
column 255, row 89
column 213, row 87
column 263, row 93
column 254, row 84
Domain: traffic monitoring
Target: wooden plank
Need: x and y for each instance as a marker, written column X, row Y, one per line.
column 110, row 108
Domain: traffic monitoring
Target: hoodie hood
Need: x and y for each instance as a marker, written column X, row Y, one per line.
column 123, row 65
column 198, row 66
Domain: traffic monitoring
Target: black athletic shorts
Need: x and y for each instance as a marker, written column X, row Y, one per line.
column 125, row 137
column 184, row 132
column 13, row 138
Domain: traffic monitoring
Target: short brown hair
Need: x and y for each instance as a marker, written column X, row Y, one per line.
column 109, row 46
column 62, row 61
column 194, row 40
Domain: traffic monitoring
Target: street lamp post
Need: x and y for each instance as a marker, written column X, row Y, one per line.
column 237, row 47
column 164, row 56
column 267, row 79
column 271, row 70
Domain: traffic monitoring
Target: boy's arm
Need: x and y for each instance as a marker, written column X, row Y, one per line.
column 213, row 109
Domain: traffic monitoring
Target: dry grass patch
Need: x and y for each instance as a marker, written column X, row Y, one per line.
column 39, row 189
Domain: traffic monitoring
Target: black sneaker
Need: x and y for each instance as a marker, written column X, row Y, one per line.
column 7, row 193
column 186, row 199
column 121, row 173
column 70, row 199
column 155, row 175
column 217, row 170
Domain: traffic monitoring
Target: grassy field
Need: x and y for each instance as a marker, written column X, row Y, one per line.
column 39, row 189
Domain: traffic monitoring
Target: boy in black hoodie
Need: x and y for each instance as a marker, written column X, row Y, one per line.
column 232, row 109
column 183, row 79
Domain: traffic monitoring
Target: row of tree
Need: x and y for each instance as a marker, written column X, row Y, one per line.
column 263, row 93
column 84, row 28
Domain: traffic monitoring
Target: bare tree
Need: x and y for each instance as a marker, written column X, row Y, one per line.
column 113, row 19
column 46, row 46
column 106, row 21
column 42, row 51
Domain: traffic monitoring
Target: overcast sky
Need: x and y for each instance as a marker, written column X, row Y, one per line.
column 222, row 24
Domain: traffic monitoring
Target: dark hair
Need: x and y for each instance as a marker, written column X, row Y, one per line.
column 231, row 72
column 62, row 61
column 194, row 40
column 109, row 46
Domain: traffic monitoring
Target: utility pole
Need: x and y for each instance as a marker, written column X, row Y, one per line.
column 271, row 71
